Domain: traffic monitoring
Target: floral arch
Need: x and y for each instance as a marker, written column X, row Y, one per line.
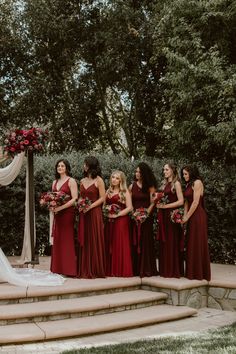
column 21, row 144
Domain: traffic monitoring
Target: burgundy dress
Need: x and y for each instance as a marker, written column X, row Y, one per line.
column 170, row 236
column 143, row 249
column 91, row 237
column 197, row 255
column 117, row 240
column 64, row 260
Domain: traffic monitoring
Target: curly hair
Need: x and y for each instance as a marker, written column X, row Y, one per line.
column 93, row 165
column 68, row 168
column 147, row 175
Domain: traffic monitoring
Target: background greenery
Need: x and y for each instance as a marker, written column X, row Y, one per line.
column 134, row 76
column 220, row 198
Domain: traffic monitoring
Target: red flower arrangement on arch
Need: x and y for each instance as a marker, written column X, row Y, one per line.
column 19, row 140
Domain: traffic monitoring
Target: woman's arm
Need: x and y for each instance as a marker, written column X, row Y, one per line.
column 197, row 192
column 152, row 190
column 53, row 184
column 74, row 195
column 185, row 208
column 176, row 204
column 130, row 189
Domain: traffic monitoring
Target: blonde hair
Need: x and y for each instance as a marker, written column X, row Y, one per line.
column 122, row 186
column 175, row 177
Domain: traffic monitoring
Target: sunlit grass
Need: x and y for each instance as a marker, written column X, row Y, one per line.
column 221, row 341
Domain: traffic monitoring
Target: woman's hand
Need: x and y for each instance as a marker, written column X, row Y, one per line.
column 184, row 220
column 113, row 216
column 57, row 209
column 161, row 206
column 87, row 209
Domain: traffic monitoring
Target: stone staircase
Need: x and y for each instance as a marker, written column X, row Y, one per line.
column 82, row 307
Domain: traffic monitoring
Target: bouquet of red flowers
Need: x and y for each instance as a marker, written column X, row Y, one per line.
column 140, row 215
column 19, row 140
column 160, row 198
column 112, row 209
column 53, row 199
column 83, row 204
column 176, row 215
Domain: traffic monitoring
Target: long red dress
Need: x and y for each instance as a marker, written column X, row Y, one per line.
column 197, row 254
column 117, row 240
column 170, row 236
column 91, row 237
column 143, row 249
column 64, row 260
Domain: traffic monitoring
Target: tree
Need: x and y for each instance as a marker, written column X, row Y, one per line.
column 198, row 43
column 139, row 77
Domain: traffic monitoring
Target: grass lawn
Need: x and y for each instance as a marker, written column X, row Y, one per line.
column 220, row 341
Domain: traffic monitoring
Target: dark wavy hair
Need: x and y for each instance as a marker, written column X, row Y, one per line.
column 193, row 173
column 94, row 169
column 68, row 168
column 148, row 178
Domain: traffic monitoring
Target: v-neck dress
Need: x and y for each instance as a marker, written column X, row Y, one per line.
column 91, row 237
column 64, row 260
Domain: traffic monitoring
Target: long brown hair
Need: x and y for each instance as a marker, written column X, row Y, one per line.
column 174, row 169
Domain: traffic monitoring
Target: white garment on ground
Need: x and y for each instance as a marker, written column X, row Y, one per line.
column 27, row 276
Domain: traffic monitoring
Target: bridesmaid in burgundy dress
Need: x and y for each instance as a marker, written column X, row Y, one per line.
column 64, row 260
column 91, row 227
column 197, row 255
column 117, row 228
column 143, row 250
column 170, row 235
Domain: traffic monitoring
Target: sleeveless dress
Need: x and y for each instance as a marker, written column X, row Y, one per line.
column 91, row 237
column 117, row 240
column 143, row 248
column 171, row 237
column 197, row 254
column 64, row 260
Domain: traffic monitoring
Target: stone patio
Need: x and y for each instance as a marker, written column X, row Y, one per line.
column 85, row 307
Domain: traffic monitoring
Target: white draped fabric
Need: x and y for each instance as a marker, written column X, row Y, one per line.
column 51, row 219
column 23, row 277
column 9, row 173
column 26, row 249
column 7, row 176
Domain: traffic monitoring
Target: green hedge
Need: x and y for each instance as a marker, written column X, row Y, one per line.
column 220, row 197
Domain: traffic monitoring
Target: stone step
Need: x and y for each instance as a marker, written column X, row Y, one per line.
column 75, row 327
column 78, row 307
column 72, row 288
